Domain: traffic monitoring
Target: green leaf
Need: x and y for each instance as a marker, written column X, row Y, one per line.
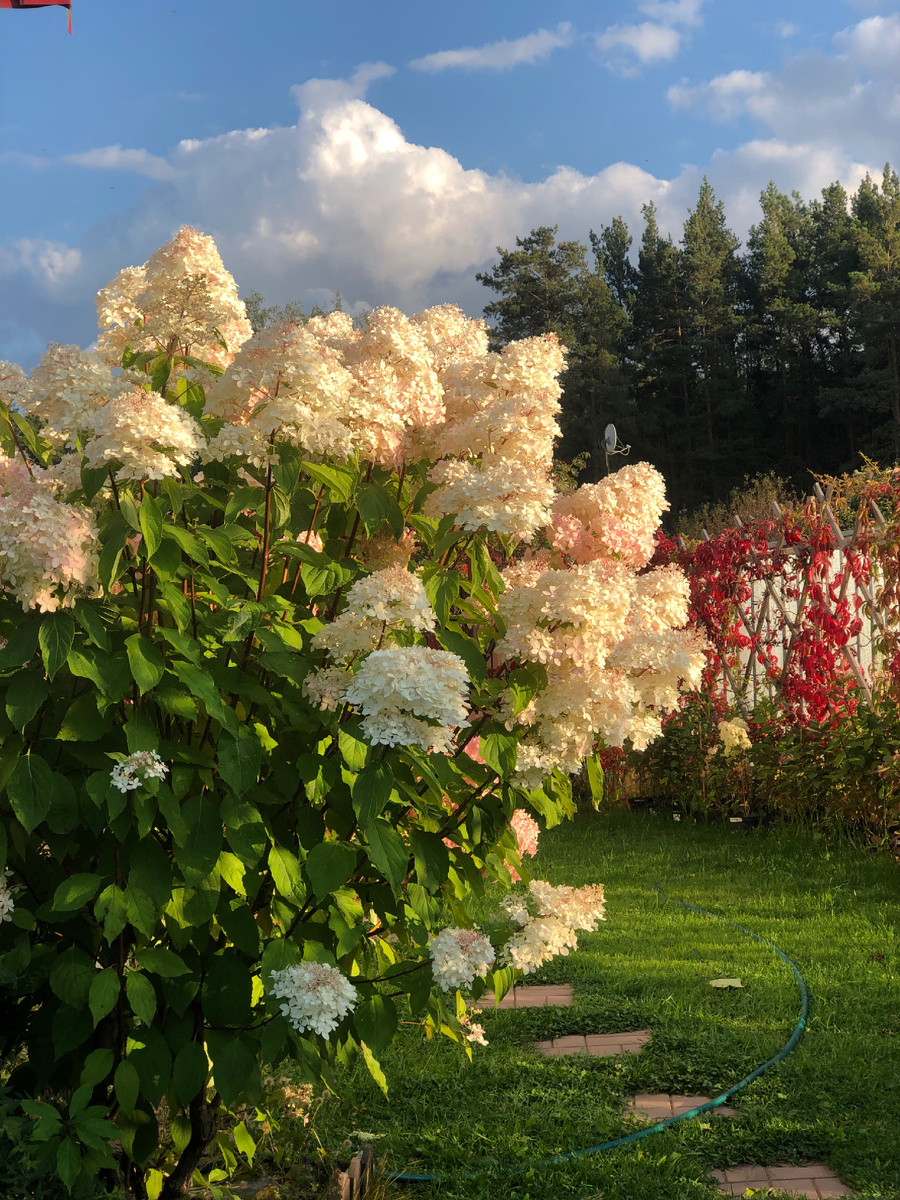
column 354, row 748
column 92, row 480
column 68, row 1162
column 244, row 1141
column 376, row 505
column 83, row 722
column 200, row 850
column 328, row 866
column 110, row 909
column 55, row 636
column 286, row 874
column 151, row 521
column 89, row 620
column 199, row 684
column 235, row 1070
column 375, row 1020
column 323, row 580
column 190, row 1071
column 30, row 791
column 141, row 996
column 71, row 976
column 153, row 1061
column 21, row 647
column 104, row 993
column 387, row 851
column 595, row 779
column 97, row 1066
column 127, row 1085
column 431, row 856
column 371, row 792
column 442, row 588
column 467, row 650
column 340, row 481
column 189, row 543
column 73, row 893
column 162, row 961
column 227, row 991
column 239, row 760
column 374, row 1067
column 24, row 697
column 498, row 749
column 146, row 661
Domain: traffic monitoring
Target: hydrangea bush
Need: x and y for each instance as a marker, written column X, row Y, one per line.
column 297, row 639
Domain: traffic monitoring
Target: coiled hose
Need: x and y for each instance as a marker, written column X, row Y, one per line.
column 785, row 1050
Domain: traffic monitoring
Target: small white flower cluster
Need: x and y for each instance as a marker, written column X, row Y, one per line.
column 7, row 903
column 734, row 736
column 459, row 956
column 131, row 772
column 400, row 689
column 552, row 928
column 473, row 1031
column 145, row 435
column 316, row 996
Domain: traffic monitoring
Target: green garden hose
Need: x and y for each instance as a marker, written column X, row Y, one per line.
column 785, row 1050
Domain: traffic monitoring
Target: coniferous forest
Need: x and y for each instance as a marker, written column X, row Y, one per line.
column 716, row 360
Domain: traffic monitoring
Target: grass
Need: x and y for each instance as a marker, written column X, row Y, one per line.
column 836, row 1099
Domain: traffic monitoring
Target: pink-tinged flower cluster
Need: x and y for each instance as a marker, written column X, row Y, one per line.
column 316, row 996
column 141, row 436
column 527, row 832
column 550, row 918
column 618, row 516
column 181, row 299
column 403, row 689
column 66, row 390
column 131, row 772
column 49, row 550
column 12, row 382
column 459, row 956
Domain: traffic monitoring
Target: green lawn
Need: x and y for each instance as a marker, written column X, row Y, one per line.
column 835, row 1099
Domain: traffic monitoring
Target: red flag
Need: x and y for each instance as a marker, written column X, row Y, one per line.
column 67, row 4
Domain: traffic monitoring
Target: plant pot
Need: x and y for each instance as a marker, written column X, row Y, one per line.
column 640, row 804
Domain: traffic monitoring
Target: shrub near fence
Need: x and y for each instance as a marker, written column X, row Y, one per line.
column 802, row 617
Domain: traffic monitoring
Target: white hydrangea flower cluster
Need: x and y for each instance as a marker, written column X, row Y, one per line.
column 552, row 928
column 49, row 550
column 131, row 772
column 7, row 904
column 734, row 736
column 143, row 436
column 66, row 390
column 377, row 604
column 459, row 956
column 12, row 382
column 501, row 422
column 316, row 996
column 400, row 689
column 183, row 299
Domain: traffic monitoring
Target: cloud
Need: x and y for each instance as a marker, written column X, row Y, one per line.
column 648, row 42
column 498, row 56
column 114, row 158
column 786, row 29
column 674, row 12
column 845, row 98
column 342, row 200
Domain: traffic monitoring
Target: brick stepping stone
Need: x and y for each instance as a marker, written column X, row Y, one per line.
column 537, row 996
column 813, row 1180
column 599, row 1045
column 660, row 1106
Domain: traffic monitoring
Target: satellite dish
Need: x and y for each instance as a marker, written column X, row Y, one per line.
column 611, row 444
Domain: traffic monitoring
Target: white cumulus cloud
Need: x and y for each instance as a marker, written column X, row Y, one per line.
column 106, row 158
column 648, row 41
column 498, row 56
column 674, row 12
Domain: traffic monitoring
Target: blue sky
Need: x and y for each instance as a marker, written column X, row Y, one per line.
column 386, row 150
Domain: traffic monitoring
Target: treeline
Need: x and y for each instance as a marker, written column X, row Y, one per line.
column 715, row 361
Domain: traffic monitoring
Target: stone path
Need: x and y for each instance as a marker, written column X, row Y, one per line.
column 537, row 996
column 660, row 1106
column 600, row 1045
column 813, row 1180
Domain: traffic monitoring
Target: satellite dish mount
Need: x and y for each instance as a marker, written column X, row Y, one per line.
column 612, row 445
